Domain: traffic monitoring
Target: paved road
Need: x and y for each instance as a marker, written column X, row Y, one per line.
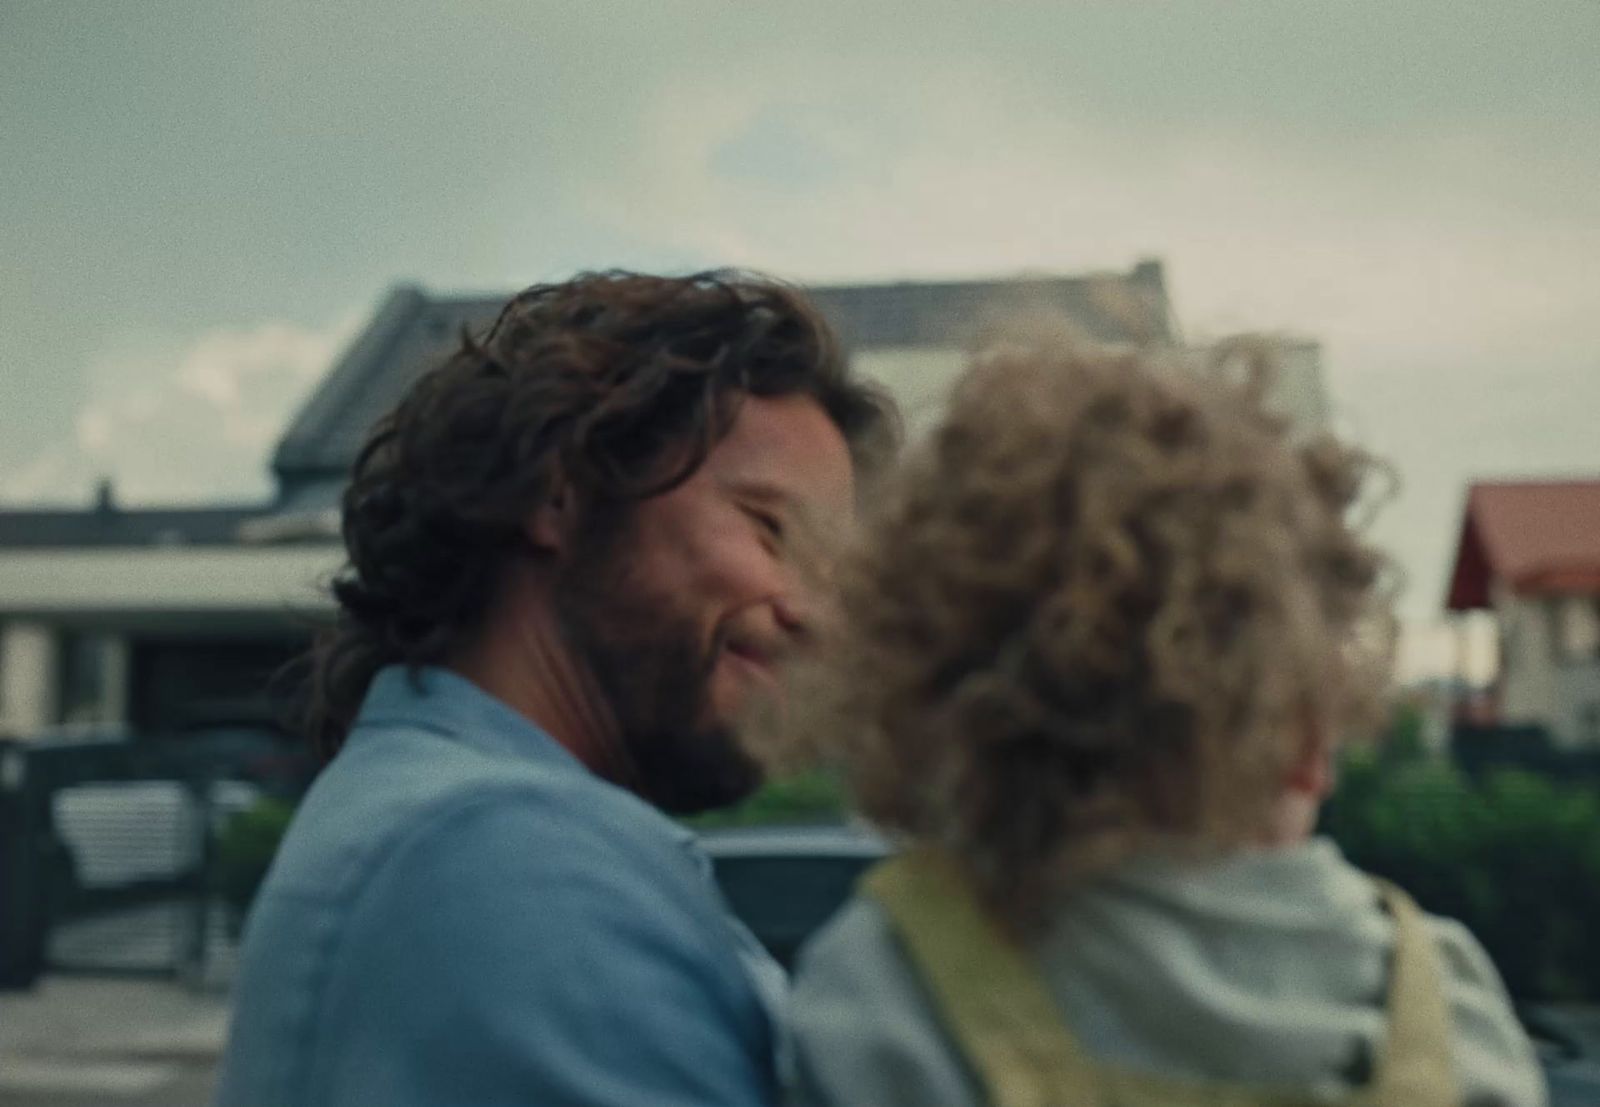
column 136, row 1037
column 79, row 1083
column 80, row 1041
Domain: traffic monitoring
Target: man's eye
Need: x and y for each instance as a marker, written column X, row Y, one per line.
column 769, row 523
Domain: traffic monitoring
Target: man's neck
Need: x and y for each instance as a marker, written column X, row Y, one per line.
column 524, row 661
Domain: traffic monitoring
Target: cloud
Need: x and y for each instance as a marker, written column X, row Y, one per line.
column 171, row 423
column 247, row 377
column 1411, row 184
column 783, row 148
column 1446, row 269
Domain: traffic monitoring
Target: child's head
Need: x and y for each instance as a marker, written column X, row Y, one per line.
column 1110, row 602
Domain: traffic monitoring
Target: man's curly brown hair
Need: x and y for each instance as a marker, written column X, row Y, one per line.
column 1097, row 611
column 613, row 386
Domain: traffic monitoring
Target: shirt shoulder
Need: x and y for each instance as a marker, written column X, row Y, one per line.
column 523, row 924
column 401, row 781
column 567, row 958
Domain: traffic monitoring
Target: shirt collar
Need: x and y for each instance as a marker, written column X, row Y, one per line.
column 439, row 700
column 447, row 703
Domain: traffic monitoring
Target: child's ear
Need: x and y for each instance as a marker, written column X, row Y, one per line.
column 552, row 525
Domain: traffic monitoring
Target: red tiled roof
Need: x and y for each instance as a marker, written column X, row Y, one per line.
column 1539, row 537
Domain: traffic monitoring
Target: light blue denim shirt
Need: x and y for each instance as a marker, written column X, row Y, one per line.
column 461, row 913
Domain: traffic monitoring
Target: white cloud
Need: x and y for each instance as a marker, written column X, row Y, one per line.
column 1410, row 184
column 169, row 422
column 50, row 476
column 247, row 377
column 1447, row 269
column 1426, row 241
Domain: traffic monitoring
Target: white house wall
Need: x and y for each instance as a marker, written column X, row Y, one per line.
column 1527, row 667
column 1299, row 391
column 28, row 681
column 920, row 380
column 49, row 583
column 1578, row 704
column 1537, row 686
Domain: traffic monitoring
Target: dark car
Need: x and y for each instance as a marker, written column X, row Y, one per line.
column 785, row 882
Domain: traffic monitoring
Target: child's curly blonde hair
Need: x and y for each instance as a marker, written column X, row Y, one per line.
column 1099, row 608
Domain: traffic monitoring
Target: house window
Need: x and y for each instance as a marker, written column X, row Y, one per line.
column 183, row 684
column 1577, row 626
column 83, row 678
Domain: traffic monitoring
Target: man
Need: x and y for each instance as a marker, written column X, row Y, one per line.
column 568, row 571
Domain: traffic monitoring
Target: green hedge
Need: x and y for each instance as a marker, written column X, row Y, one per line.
column 1514, row 856
column 815, row 797
column 245, row 848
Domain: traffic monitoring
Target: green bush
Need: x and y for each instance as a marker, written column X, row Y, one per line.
column 245, row 848
column 1514, row 856
column 815, row 797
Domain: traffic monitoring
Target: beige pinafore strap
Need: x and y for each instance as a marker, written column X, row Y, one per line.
column 1414, row 1063
column 993, row 1003
column 987, row 995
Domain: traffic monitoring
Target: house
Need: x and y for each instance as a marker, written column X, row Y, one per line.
column 149, row 620
column 1529, row 552
column 153, row 620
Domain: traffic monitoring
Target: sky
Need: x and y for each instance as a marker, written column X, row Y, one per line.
column 200, row 203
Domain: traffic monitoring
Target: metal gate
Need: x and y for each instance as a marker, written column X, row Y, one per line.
column 109, row 859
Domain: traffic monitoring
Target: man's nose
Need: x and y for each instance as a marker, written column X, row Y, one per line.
column 788, row 612
column 801, row 615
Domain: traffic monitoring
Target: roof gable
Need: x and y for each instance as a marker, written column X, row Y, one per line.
column 410, row 333
column 1539, row 537
column 413, row 331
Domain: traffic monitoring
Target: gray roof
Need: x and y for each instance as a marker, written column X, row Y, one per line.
column 113, row 527
column 879, row 316
column 412, row 331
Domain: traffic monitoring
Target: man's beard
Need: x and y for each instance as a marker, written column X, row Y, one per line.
column 655, row 675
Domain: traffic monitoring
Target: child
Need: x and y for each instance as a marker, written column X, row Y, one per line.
column 1103, row 639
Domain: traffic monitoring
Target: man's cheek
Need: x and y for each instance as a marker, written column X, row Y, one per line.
column 727, row 686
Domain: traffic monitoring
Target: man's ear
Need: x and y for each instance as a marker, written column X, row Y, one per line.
column 552, row 525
